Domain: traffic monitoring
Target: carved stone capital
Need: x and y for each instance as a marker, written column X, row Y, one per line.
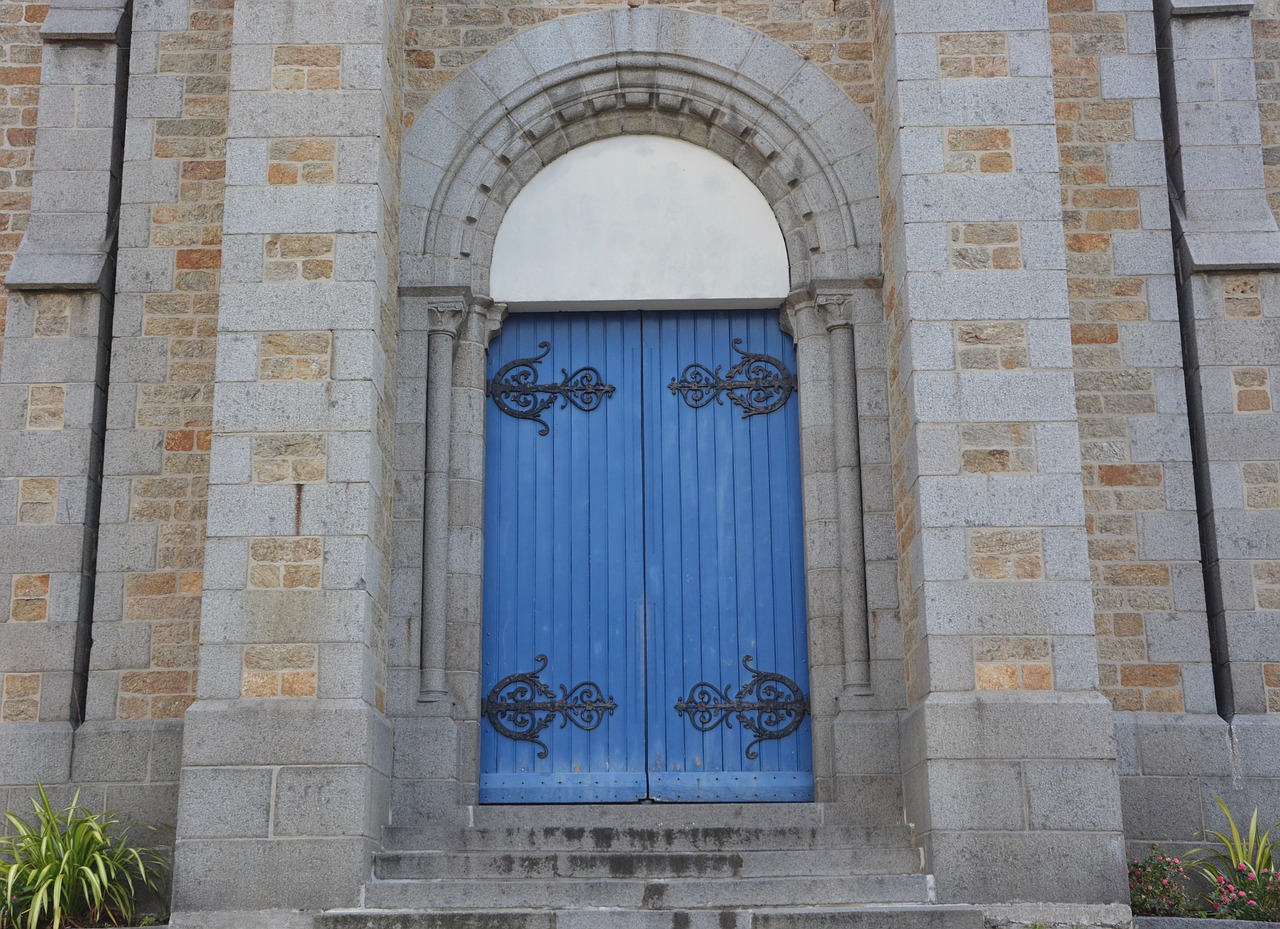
column 495, row 316
column 792, row 308
column 837, row 310
column 445, row 317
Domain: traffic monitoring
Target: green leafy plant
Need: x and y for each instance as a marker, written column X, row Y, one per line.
column 72, row 868
column 1251, row 850
column 1158, row 885
column 1240, row 869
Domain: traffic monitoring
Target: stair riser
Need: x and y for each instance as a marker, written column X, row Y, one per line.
column 876, row 918
column 605, row 839
column 689, row 894
column 656, row 815
column 564, row 864
column 833, row 862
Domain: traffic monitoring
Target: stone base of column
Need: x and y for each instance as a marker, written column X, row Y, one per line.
column 424, row 787
column 1015, row 796
column 868, row 772
column 282, row 804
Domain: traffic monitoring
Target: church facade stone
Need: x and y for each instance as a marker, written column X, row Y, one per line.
column 1032, row 262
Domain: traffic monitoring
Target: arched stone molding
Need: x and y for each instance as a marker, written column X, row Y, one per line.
column 778, row 118
column 811, row 152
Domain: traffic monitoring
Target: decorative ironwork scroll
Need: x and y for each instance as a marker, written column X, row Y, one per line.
column 769, row 706
column 516, row 391
column 758, row 384
column 520, row 706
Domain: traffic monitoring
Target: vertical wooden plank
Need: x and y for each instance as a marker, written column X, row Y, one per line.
column 725, row 526
column 564, row 565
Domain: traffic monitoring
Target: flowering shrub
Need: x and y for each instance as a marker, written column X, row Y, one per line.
column 1247, row 895
column 1158, row 885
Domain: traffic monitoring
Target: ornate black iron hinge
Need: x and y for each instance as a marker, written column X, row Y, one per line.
column 516, row 391
column 520, row 706
column 769, row 706
column 757, row 384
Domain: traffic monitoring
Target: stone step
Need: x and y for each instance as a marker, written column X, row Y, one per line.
column 869, row 917
column 625, row 864
column 603, row 838
column 654, row 815
column 693, row 893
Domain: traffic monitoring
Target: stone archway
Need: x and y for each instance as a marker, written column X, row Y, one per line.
column 809, row 150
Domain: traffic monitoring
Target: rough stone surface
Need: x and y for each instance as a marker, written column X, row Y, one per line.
column 1040, row 492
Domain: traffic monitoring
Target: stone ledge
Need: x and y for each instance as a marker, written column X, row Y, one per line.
column 1053, row 915
column 241, row 919
column 1207, row 7
column 1231, row 251
column 83, row 21
column 1198, row 922
column 40, row 270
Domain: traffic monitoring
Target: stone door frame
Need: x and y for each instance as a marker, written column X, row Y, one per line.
column 811, row 151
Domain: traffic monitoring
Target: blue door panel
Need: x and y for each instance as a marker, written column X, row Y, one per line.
column 724, row 570
column 563, row 569
column 644, row 594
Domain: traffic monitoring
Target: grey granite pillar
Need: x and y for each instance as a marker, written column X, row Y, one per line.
column 443, row 321
column 853, row 581
column 1008, row 751
column 287, row 750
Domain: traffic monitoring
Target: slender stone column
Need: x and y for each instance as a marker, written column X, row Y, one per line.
column 821, row 533
column 853, row 581
column 443, row 322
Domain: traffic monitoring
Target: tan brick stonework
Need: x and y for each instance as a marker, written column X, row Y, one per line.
column 30, row 600
column 174, row 502
column 20, row 50
column 441, row 38
column 279, row 671
column 1107, row 391
column 37, row 500
column 974, row 54
column 1005, row 554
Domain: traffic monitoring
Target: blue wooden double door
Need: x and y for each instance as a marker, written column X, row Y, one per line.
column 644, row 624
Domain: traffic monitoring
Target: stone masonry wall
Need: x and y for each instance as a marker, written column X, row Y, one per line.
column 1266, row 47
column 20, row 48
column 1266, row 44
column 20, row 86
column 151, row 548
column 442, row 38
column 147, row 610
column 1130, row 394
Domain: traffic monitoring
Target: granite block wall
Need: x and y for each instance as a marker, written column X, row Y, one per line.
column 1101, row 404
column 20, row 28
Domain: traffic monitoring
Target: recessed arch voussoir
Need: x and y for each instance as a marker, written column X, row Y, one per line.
column 779, row 119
